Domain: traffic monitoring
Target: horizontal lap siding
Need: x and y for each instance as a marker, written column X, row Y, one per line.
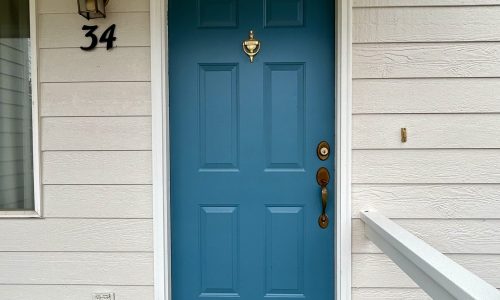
column 97, row 232
column 73, row 64
column 427, row 131
column 416, row 3
column 437, row 201
column 427, row 24
column 426, row 95
column 132, row 29
column 390, row 276
column 58, row 6
column 96, row 133
column 431, row 67
column 74, row 234
column 389, row 294
column 103, row 99
column 86, row 201
column 96, row 167
column 426, row 166
column 467, row 236
column 76, row 268
column 428, row 60
column 73, row 292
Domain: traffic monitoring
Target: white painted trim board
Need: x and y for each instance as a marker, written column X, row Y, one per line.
column 160, row 149
column 343, row 149
column 161, row 154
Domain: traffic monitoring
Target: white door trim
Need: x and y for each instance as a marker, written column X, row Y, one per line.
column 161, row 149
column 343, row 149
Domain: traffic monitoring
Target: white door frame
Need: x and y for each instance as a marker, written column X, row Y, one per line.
column 161, row 152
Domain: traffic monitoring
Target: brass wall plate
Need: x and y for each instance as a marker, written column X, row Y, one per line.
column 323, row 150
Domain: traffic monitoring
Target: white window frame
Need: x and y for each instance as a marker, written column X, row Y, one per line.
column 36, row 212
column 161, row 154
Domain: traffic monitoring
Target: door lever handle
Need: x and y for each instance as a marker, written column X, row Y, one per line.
column 323, row 177
column 323, row 218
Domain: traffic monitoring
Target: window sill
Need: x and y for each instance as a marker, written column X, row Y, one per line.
column 19, row 214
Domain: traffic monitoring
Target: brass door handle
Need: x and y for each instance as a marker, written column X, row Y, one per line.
column 323, row 177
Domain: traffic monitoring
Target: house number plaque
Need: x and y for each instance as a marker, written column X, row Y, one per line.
column 108, row 36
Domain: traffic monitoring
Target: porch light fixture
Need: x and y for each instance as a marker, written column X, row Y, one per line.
column 92, row 9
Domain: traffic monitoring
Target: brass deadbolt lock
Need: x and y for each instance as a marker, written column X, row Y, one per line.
column 323, row 150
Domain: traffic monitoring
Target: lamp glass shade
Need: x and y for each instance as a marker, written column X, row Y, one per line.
column 92, row 9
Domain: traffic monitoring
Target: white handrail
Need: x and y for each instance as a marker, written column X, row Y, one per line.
column 436, row 274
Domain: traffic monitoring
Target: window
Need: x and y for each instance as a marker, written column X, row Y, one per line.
column 18, row 109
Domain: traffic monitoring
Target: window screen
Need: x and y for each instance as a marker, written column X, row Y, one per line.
column 16, row 156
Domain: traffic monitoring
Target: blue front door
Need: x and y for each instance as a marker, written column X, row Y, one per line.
column 245, row 200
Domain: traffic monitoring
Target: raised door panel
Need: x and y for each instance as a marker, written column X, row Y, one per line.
column 283, row 13
column 217, row 13
column 218, row 92
column 284, row 252
column 219, row 251
column 284, row 115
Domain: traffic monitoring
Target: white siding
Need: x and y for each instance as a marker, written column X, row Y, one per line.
column 97, row 232
column 431, row 67
column 403, row 3
column 77, row 292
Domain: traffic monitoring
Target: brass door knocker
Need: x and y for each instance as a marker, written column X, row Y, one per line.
column 251, row 46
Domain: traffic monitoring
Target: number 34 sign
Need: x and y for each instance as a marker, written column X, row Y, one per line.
column 108, row 36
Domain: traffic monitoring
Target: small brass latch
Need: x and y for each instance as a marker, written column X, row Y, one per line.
column 251, row 46
column 404, row 135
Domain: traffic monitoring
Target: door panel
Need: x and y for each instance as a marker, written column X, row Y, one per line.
column 219, row 250
column 284, row 251
column 219, row 117
column 284, row 116
column 244, row 198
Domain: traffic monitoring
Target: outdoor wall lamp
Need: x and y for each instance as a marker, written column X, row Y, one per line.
column 92, row 9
